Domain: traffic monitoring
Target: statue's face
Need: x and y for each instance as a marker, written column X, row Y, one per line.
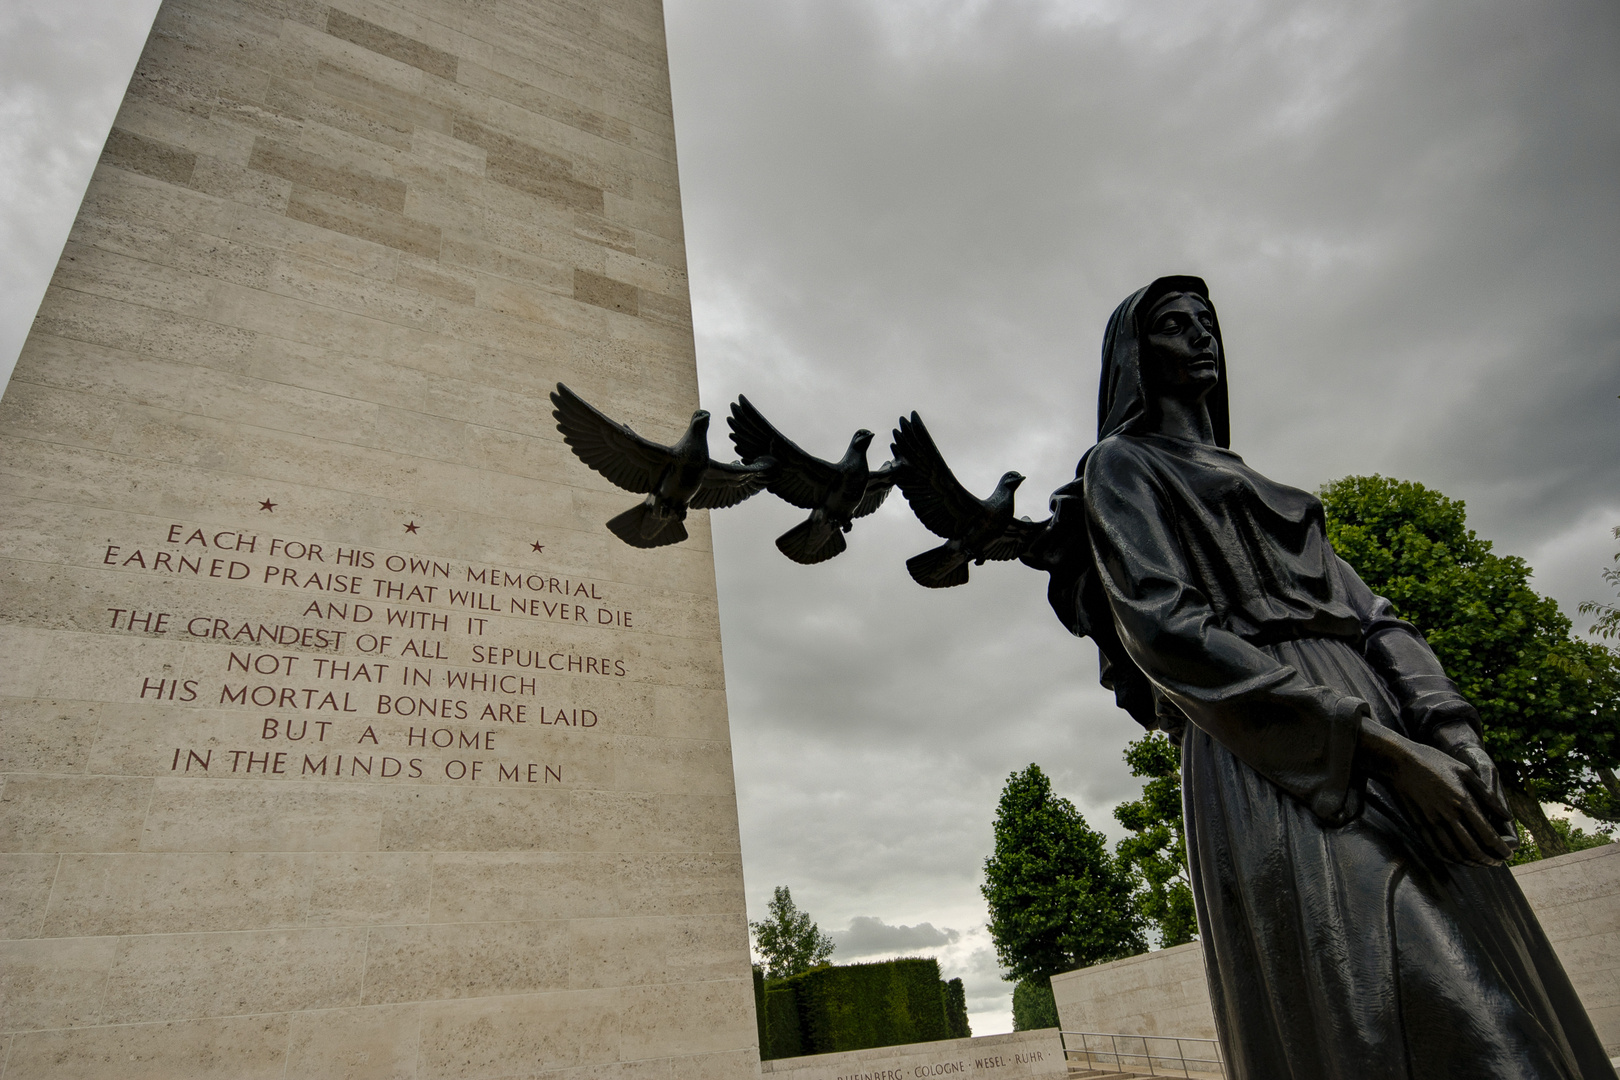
column 1183, row 355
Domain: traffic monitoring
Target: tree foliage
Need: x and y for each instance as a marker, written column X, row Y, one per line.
column 1607, row 625
column 1574, row 837
column 1058, row 899
column 956, row 1014
column 788, row 939
column 1156, row 851
column 1550, row 702
column 1033, row 1005
column 1604, row 803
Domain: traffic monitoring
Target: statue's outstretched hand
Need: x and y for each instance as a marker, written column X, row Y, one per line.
column 1451, row 801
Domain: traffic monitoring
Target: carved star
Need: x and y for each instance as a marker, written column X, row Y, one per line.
column 268, row 505
column 538, row 546
column 411, row 527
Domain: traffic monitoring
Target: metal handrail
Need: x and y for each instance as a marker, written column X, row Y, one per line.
column 1155, row 1054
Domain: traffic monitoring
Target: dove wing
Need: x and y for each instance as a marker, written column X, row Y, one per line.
column 1016, row 540
column 878, row 485
column 801, row 478
column 937, row 498
column 727, row 484
column 608, row 446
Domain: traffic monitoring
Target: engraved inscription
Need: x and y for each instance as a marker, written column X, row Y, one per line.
column 398, row 667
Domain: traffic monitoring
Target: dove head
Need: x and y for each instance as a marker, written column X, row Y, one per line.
column 697, row 434
column 861, row 440
column 1011, row 480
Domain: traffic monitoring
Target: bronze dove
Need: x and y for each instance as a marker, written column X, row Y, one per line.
column 673, row 477
column 835, row 493
column 974, row 529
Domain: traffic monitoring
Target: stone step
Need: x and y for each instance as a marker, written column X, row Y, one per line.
column 1081, row 1072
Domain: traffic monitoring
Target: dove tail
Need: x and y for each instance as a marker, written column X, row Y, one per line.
column 811, row 541
column 939, row 568
column 641, row 527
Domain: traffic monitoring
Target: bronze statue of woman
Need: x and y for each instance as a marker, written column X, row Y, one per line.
column 1345, row 826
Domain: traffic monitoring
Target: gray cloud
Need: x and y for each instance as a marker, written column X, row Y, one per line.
column 869, row 935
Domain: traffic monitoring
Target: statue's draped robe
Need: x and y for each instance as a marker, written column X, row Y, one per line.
column 1338, row 943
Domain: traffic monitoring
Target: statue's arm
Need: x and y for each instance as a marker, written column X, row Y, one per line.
column 1062, row 548
column 1433, row 710
column 1300, row 735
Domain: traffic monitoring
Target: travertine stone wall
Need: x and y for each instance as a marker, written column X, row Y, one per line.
column 1576, row 897
column 1021, row 1055
column 339, row 738
column 1157, row 993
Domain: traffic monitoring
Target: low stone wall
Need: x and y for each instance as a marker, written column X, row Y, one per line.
column 991, row 1057
column 1157, row 993
column 1576, row 897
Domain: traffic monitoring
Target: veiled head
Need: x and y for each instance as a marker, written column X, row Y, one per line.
column 1125, row 396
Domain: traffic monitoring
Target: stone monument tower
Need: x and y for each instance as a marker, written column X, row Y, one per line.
column 339, row 737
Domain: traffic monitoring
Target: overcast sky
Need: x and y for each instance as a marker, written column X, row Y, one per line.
column 1409, row 217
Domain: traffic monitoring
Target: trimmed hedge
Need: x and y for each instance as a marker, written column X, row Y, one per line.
column 857, row 1006
column 759, row 1011
column 956, row 1010
column 783, row 1033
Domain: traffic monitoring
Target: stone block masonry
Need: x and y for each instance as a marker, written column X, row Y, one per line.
column 337, row 735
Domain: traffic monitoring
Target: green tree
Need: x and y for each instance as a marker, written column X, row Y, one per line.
column 1574, row 837
column 1034, row 1007
column 1156, row 851
column 1058, row 899
column 1548, row 700
column 1604, row 804
column 788, row 939
column 956, row 1014
column 1607, row 626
